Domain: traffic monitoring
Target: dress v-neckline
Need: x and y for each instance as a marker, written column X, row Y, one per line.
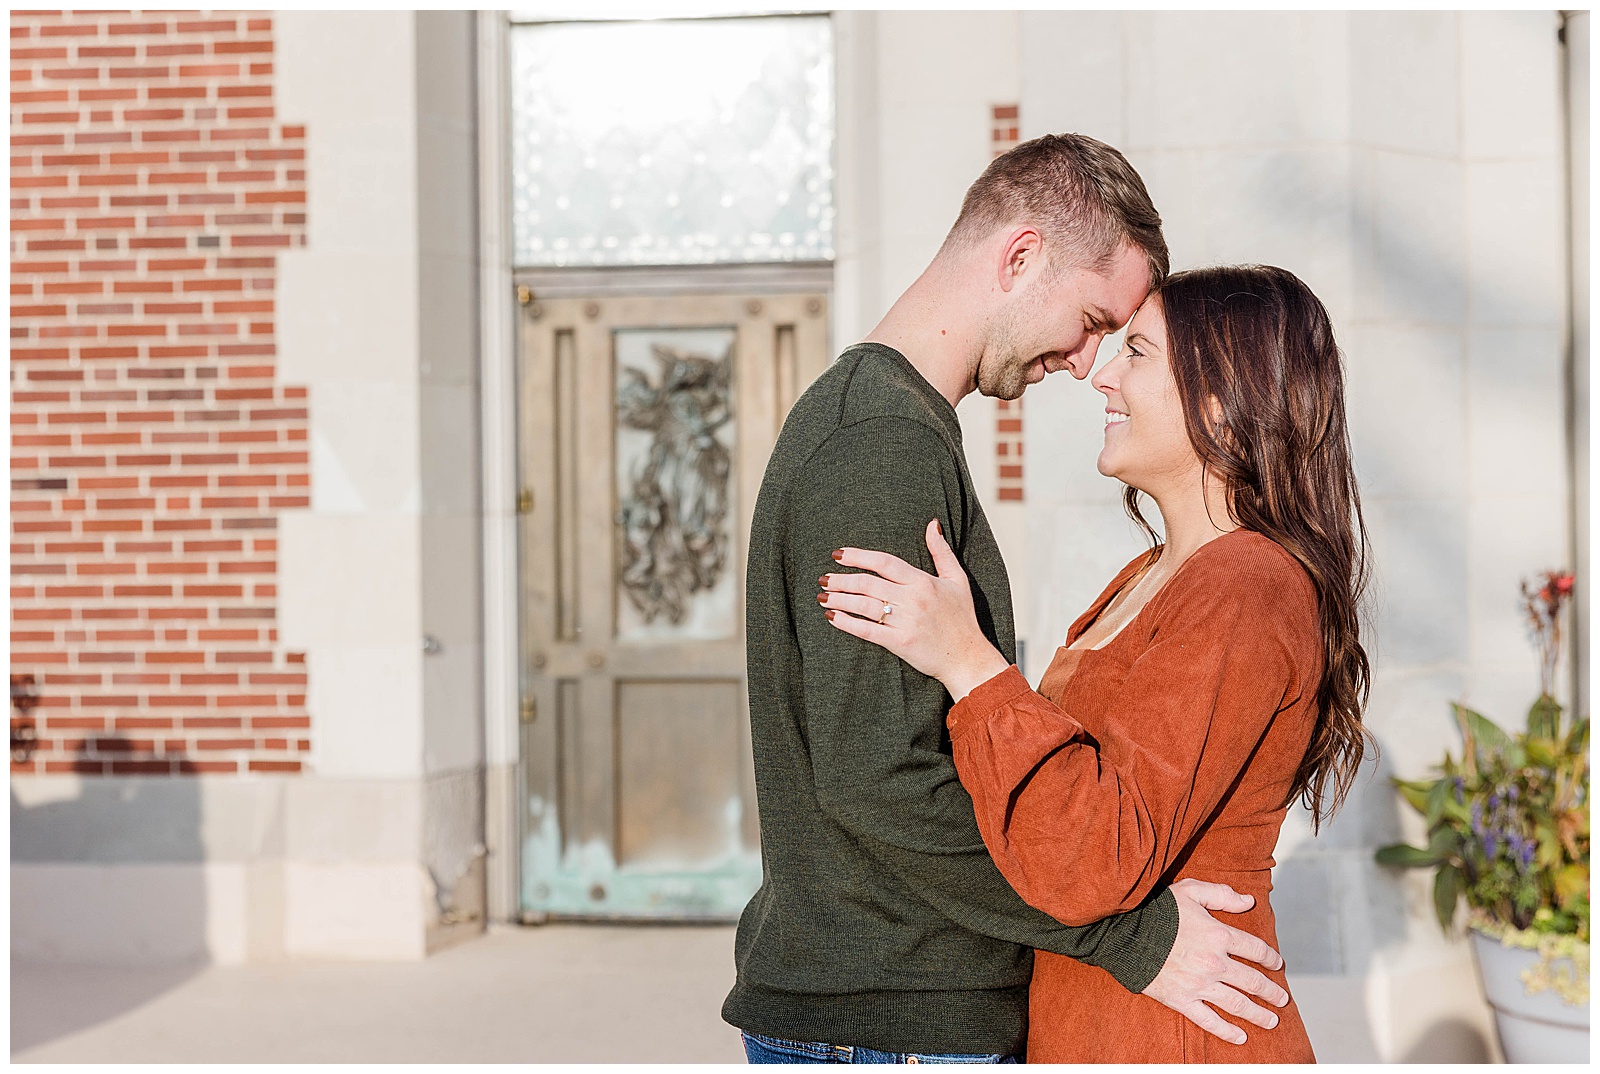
column 1106, row 600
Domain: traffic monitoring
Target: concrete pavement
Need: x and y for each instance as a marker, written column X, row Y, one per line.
column 559, row 993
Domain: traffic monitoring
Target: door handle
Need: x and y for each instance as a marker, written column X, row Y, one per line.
column 597, row 659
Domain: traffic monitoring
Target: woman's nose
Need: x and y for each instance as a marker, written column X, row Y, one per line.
column 1106, row 380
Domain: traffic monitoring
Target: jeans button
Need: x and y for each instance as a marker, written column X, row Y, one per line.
column 912, row 1059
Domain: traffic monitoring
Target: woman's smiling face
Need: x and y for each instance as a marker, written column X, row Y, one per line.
column 1146, row 442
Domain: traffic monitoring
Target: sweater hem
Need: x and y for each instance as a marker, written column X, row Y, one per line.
column 983, row 1021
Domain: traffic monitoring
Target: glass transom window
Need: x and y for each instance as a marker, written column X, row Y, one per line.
column 703, row 141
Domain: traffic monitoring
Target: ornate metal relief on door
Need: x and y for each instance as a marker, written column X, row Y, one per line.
column 676, row 435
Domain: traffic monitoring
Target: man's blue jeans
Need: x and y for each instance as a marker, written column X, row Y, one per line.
column 759, row 1049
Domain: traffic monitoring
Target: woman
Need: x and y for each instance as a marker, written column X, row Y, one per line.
column 1218, row 678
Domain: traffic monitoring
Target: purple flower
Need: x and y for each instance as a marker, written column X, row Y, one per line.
column 1477, row 819
column 1511, row 794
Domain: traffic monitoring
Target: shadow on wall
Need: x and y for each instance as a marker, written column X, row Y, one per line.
column 104, row 872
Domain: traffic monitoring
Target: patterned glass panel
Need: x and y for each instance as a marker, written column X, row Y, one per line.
column 676, row 440
column 673, row 142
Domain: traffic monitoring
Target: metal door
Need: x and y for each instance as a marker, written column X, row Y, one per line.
column 645, row 427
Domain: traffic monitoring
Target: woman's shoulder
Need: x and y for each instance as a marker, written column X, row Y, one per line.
column 1248, row 567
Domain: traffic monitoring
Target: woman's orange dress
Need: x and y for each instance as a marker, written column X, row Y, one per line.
column 1167, row 753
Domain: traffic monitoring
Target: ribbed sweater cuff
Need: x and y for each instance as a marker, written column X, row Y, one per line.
column 1138, row 960
column 985, row 698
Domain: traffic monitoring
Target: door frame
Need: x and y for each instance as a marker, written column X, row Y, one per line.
column 497, row 364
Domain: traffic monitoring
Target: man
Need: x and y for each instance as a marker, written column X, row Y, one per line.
column 882, row 929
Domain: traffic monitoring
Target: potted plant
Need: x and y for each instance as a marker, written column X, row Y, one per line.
column 1508, row 832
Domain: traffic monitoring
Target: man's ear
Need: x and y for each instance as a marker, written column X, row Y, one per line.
column 1023, row 253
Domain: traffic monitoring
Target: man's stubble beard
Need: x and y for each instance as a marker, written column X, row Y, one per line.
column 1005, row 376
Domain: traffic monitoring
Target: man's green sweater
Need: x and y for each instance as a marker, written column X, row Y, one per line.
column 881, row 921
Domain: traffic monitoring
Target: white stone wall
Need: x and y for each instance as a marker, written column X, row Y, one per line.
column 1409, row 167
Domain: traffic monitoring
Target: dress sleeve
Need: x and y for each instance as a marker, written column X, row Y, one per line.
column 1084, row 829
column 875, row 726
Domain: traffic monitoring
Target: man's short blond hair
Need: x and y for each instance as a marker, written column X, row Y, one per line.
column 1082, row 195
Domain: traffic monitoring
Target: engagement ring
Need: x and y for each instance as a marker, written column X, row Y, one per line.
column 887, row 609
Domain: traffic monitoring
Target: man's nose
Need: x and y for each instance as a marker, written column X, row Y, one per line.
column 1080, row 361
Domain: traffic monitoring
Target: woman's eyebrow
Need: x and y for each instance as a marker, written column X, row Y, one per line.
column 1141, row 336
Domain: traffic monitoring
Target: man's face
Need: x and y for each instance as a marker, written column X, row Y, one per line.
column 1051, row 324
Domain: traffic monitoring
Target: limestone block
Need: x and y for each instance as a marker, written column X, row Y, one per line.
column 1286, row 207
column 447, row 290
column 1513, row 538
column 1198, row 79
column 948, row 58
column 1421, row 251
column 347, row 317
column 366, row 705
column 1510, row 84
column 1404, row 403
column 330, row 821
column 1170, row 176
column 349, row 580
column 1516, row 443
column 1303, row 899
column 364, row 448
column 356, row 911
column 359, row 107
column 1420, row 581
column 448, row 452
column 1405, row 80
column 1072, row 74
column 1516, row 249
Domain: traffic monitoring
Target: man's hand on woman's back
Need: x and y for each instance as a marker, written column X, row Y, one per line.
column 1205, row 968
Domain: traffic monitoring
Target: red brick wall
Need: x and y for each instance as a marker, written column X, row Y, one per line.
column 1008, row 423
column 152, row 445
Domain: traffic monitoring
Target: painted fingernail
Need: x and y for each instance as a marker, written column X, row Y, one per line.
column 939, row 526
column 822, row 598
column 837, row 554
column 823, row 581
column 829, row 613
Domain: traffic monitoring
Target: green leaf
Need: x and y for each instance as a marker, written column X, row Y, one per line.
column 1578, row 737
column 1484, row 737
column 1408, row 857
column 1444, row 842
column 1543, row 752
column 1447, row 888
column 1544, row 718
column 1434, row 805
column 1416, row 792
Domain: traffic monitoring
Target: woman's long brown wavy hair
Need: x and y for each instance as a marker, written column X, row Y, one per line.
column 1261, row 383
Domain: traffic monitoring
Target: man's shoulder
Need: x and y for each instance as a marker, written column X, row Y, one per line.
column 869, row 391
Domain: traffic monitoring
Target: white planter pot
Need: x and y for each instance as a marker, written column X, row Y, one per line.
column 1533, row 1029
